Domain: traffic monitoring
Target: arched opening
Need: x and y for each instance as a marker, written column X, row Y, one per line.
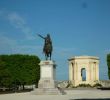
column 83, row 74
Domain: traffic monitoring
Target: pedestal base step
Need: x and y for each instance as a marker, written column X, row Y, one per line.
column 47, row 91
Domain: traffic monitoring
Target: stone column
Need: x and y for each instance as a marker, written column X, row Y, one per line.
column 76, row 71
column 87, row 72
column 79, row 72
column 90, row 70
column 70, row 71
column 97, row 70
column 92, row 67
column 73, row 71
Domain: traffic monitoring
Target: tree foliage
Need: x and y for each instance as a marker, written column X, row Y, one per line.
column 108, row 63
column 19, row 70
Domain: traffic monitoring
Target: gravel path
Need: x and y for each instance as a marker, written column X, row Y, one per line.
column 71, row 95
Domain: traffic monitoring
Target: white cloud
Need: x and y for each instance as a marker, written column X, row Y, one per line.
column 14, row 17
column 6, row 40
column 6, row 44
column 27, row 49
column 18, row 22
column 11, row 46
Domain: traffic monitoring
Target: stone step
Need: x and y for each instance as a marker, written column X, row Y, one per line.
column 49, row 91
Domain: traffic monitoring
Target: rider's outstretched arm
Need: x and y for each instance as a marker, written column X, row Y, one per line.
column 41, row 36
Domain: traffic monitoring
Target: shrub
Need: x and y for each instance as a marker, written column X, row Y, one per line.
column 97, row 85
column 84, row 85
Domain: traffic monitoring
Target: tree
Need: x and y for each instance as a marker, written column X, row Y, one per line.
column 19, row 69
column 5, row 77
column 108, row 63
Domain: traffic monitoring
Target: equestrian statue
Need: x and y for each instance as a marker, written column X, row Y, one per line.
column 47, row 49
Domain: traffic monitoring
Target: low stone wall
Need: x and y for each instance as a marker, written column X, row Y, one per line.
column 62, row 84
column 105, row 83
column 66, row 83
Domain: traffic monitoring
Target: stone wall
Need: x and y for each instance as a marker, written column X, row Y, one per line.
column 105, row 83
column 66, row 83
column 62, row 84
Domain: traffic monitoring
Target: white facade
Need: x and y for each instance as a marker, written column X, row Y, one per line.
column 79, row 63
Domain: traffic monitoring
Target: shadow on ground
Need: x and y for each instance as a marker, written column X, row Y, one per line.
column 17, row 91
column 104, row 88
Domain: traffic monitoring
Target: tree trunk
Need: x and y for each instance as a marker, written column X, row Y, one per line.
column 23, row 87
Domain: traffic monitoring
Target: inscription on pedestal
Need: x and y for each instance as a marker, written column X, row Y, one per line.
column 46, row 62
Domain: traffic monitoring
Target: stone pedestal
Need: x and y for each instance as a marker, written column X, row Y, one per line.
column 46, row 83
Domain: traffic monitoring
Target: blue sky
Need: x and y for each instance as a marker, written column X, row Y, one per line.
column 77, row 27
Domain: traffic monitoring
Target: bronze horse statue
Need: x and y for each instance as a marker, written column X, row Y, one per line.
column 47, row 49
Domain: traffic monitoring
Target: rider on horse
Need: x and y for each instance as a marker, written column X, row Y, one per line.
column 47, row 49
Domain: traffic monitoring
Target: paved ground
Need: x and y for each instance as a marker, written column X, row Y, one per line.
column 71, row 95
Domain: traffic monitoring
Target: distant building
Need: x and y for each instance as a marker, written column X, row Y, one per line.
column 83, row 70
